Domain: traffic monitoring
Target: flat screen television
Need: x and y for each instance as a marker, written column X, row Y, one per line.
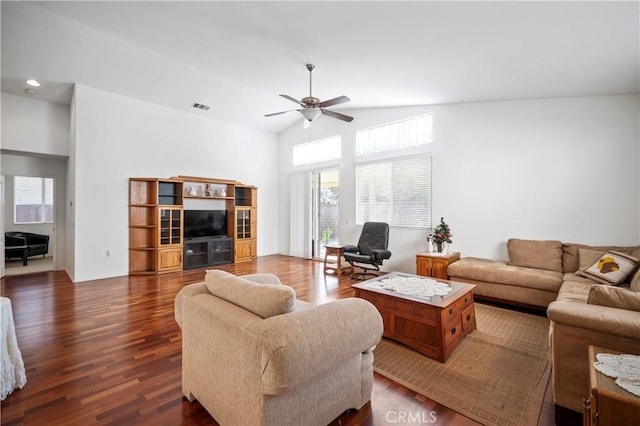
column 205, row 223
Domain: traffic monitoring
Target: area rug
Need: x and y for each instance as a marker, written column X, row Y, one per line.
column 497, row 376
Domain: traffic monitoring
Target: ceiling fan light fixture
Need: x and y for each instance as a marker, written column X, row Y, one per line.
column 312, row 107
column 310, row 114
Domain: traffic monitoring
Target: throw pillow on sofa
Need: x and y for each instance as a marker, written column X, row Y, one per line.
column 614, row 297
column 587, row 257
column 611, row 268
column 264, row 300
column 536, row 254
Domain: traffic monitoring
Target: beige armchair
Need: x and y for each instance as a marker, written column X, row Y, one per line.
column 254, row 355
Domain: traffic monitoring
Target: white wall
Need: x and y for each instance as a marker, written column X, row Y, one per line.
column 30, row 125
column 71, row 192
column 117, row 137
column 563, row 169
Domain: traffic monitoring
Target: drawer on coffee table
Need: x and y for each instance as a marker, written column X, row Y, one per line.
column 452, row 331
column 468, row 319
column 456, row 308
column 407, row 307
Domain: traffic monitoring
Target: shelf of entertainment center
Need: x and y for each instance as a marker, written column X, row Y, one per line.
column 201, row 197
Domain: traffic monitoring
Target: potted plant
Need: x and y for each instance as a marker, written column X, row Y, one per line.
column 442, row 234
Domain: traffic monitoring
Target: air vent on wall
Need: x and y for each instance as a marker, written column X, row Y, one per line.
column 198, row 105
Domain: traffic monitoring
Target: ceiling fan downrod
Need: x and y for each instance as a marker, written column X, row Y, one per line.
column 310, row 67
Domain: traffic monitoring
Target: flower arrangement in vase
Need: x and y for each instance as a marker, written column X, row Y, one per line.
column 442, row 234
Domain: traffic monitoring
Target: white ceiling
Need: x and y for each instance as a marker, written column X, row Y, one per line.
column 238, row 56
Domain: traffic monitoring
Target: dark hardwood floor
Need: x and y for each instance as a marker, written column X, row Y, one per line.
column 109, row 351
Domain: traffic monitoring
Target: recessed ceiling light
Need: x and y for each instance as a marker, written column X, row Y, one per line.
column 33, row 83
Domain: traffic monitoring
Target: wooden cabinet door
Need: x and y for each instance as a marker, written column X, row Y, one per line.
column 170, row 226
column 423, row 266
column 243, row 223
column 242, row 251
column 439, row 268
column 169, row 259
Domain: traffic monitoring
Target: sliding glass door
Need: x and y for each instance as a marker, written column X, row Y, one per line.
column 326, row 209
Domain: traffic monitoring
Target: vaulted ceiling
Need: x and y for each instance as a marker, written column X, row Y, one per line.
column 238, row 56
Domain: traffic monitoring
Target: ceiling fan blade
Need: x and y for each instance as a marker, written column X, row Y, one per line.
column 337, row 115
column 292, row 99
column 334, row 101
column 278, row 113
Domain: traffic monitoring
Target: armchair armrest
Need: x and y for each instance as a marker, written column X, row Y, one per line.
column 187, row 291
column 262, row 278
column 380, row 255
column 351, row 249
column 14, row 241
column 303, row 345
column 602, row 319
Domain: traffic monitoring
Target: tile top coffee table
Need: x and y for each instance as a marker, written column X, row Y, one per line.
column 430, row 316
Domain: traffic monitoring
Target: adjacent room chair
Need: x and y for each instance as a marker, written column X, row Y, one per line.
column 25, row 244
column 370, row 251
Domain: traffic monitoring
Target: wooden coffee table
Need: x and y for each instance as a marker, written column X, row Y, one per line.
column 433, row 326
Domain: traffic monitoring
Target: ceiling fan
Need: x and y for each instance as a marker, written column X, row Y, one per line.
column 312, row 107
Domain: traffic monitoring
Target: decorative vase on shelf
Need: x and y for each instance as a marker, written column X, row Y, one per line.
column 223, row 193
column 207, row 190
column 192, row 191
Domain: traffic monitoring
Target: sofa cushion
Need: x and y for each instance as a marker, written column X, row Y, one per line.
column 493, row 271
column 611, row 268
column 614, row 297
column 635, row 282
column 538, row 254
column 264, row 300
column 575, row 290
column 578, row 278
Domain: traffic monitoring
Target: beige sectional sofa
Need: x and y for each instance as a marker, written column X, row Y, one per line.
column 254, row 355
column 583, row 312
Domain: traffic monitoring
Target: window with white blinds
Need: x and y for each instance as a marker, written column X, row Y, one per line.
column 317, row 151
column 394, row 186
column 406, row 133
column 396, row 191
column 32, row 200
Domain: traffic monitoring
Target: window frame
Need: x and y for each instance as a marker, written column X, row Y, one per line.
column 43, row 201
column 321, row 162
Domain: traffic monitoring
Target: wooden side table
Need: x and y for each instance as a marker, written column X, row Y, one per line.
column 435, row 264
column 607, row 403
column 333, row 259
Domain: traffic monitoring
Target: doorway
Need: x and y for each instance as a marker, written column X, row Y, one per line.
column 326, row 210
column 29, row 207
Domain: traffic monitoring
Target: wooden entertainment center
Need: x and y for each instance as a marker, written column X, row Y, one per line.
column 156, row 224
